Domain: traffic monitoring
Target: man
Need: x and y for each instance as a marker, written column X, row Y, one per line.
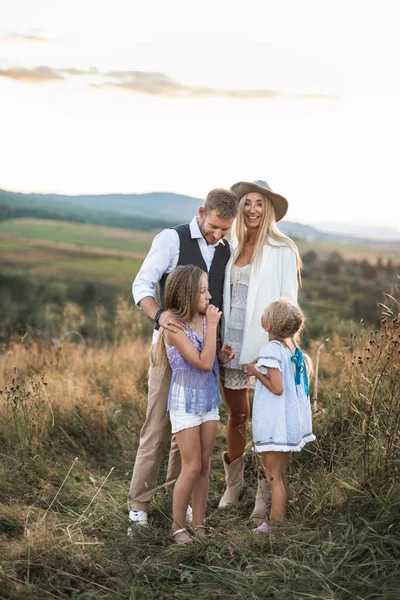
column 199, row 243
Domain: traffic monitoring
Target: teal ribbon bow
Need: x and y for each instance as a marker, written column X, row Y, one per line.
column 298, row 360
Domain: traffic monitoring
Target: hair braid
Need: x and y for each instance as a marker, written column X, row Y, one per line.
column 180, row 297
column 285, row 319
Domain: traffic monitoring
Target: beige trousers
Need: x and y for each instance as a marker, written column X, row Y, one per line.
column 155, row 437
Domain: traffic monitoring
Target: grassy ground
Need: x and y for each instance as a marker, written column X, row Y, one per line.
column 70, row 418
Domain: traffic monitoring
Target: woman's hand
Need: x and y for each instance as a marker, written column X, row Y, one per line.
column 226, row 354
column 213, row 315
column 167, row 321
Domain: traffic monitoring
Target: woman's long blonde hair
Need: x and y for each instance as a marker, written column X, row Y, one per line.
column 180, row 297
column 268, row 228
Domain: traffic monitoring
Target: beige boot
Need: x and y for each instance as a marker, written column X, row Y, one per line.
column 263, row 500
column 234, row 477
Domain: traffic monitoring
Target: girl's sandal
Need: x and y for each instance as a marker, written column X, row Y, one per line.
column 200, row 530
column 181, row 536
column 263, row 528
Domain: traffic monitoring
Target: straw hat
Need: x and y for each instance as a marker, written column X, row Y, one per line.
column 245, row 187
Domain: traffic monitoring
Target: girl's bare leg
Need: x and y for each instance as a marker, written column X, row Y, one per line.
column 189, row 443
column 274, row 464
column 285, row 483
column 239, row 410
column 208, row 432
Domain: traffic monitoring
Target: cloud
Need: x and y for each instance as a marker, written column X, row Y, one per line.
column 147, row 83
column 74, row 71
column 13, row 36
column 159, row 84
column 38, row 75
column 35, row 75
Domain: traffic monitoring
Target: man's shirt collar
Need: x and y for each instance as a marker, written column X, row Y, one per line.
column 196, row 233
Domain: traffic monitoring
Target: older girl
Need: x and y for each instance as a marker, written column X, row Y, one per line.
column 194, row 395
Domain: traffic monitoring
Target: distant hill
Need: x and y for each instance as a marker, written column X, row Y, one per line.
column 145, row 212
column 363, row 231
column 63, row 208
column 159, row 205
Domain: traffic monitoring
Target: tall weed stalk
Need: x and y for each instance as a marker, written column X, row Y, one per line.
column 25, row 413
column 375, row 393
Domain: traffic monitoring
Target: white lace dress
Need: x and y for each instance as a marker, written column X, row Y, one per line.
column 233, row 374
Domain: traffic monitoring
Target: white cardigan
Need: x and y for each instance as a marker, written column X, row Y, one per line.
column 275, row 277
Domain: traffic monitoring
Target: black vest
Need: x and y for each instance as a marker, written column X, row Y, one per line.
column 190, row 254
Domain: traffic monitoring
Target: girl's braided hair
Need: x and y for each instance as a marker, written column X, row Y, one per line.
column 286, row 320
column 181, row 292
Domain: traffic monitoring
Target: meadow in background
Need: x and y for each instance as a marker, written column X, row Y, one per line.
column 73, row 375
column 57, row 262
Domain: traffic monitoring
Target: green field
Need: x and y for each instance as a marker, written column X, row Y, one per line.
column 349, row 251
column 80, row 234
column 49, row 262
column 111, row 270
column 72, row 251
column 64, row 251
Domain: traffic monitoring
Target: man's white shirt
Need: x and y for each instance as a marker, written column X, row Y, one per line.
column 163, row 258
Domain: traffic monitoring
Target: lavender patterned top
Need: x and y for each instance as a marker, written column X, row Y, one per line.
column 198, row 388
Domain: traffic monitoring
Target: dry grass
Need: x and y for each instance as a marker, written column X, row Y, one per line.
column 69, row 423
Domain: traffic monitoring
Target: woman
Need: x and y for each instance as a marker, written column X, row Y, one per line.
column 265, row 265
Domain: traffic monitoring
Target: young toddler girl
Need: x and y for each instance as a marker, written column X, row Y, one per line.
column 281, row 418
column 194, row 395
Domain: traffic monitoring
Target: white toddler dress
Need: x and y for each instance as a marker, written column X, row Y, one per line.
column 281, row 423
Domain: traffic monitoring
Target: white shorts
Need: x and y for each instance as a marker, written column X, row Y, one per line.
column 184, row 420
column 180, row 419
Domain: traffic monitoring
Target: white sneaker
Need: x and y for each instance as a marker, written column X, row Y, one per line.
column 189, row 514
column 137, row 517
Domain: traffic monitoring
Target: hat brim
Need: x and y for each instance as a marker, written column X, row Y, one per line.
column 280, row 203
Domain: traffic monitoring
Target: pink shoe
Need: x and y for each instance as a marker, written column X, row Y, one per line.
column 263, row 528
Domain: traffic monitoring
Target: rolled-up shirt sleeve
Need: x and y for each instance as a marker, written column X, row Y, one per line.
column 162, row 258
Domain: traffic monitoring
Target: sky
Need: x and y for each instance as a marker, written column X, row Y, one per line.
column 133, row 97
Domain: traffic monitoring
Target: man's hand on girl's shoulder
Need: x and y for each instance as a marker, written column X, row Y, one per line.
column 168, row 322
